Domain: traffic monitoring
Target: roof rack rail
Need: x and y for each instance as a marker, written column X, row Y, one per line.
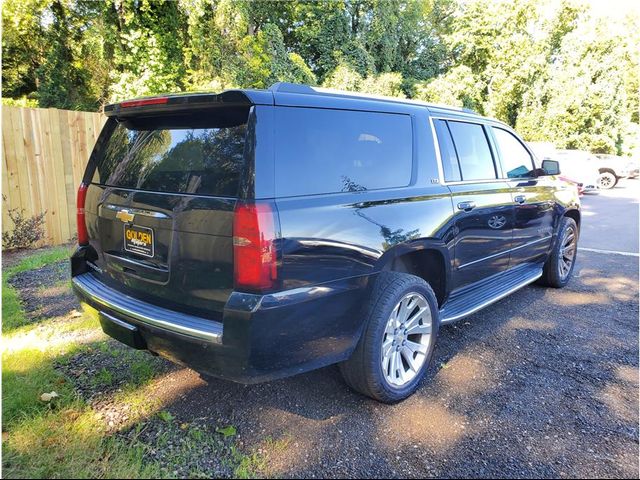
column 287, row 87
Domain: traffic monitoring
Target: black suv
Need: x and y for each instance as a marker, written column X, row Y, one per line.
column 255, row 234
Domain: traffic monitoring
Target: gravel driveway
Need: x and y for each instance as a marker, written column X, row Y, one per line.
column 544, row 383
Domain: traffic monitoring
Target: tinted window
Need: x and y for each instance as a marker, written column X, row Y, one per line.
column 476, row 162
column 201, row 154
column 447, row 152
column 516, row 161
column 326, row 151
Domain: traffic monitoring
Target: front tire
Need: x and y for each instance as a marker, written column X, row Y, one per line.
column 397, row 344
column 559, row 266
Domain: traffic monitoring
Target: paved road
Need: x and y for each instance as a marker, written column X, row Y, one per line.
column 610, row 218
column 541, row 384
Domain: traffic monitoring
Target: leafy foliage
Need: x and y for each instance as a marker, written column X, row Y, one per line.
column 62, row 81
column 584, row 102
column 23, row 46
column 20, row 102
column 551, row 70
column 458, row 87
column 26, row 230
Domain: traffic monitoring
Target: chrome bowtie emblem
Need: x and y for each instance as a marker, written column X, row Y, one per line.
column 125, row 216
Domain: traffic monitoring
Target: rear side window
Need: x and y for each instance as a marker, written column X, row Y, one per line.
column 472, row 147
column 516, row 160
column 199, row 153
column 328, row 151
column 447, row 152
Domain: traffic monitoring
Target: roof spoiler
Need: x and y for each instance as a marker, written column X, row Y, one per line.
column 188, row 101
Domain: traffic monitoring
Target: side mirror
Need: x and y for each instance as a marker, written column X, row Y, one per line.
column 551, row 167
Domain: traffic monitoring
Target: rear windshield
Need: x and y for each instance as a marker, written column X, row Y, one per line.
column 199, row 153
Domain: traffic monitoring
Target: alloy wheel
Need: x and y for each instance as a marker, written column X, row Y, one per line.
column 567, row 252
column 406, row 340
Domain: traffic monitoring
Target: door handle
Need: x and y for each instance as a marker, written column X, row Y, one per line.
column 466, row 206
column 520, row 199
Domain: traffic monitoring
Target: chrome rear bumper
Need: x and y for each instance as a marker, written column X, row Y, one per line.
column 98, row 295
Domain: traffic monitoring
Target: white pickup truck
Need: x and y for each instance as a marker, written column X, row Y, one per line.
column 577, row 166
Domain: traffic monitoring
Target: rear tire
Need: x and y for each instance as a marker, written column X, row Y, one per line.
column 558, row 268
column 395, row 349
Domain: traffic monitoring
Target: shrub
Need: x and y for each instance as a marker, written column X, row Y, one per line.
column 23, row 101
column 26, row 230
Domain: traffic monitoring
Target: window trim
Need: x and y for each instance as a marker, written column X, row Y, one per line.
column 439, row 151
column 488, row 136
column 532, row 175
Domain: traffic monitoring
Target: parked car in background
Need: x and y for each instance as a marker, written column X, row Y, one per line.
column 579, row 167
column 256, row 234
column 614, row 167
column 572, row 168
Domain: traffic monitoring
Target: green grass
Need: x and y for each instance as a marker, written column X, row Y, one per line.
column 165, row 416
column 25, row 376
column 142, row 370
column 12, row 314
column 71, row 443
column 66, row 438
column 27, row 372
column 103, row 378
column 39, row 259
column 247, row 466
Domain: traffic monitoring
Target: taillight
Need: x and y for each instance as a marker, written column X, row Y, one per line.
column 254, row 248
column 145, row 101
column 83, row 234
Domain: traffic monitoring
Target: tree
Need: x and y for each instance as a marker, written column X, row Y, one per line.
column 458, row 87
column 149, row 48
column 206, row 49
column 62, row 81
column 264, row 61
column 583, row 102
column 548, row 69
column 345, row 77
column 23, row 46
column 386, row 84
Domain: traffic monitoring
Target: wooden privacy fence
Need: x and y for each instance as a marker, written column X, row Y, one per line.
column 44, row 155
